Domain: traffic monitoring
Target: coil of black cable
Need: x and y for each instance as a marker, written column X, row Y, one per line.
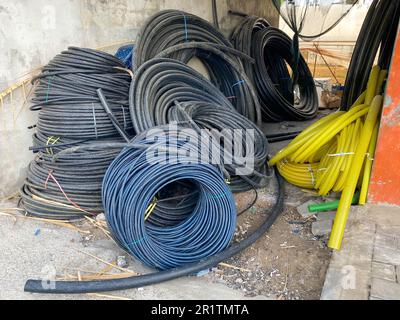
column 182, row 31
column 172, row 27
column 377, row 33
column 241, row 39
column 137, row 175
column 272, row 50
column 65, row 94
column 243, row 147
column 225, row 71
column 67, row 185
column 159, row 83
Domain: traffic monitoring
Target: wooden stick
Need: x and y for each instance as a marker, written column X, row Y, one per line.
column 108, row 263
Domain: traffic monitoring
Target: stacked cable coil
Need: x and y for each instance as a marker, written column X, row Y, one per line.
column 135, row 178
column 65, row 95
column 161, row 83
column 183, row 36
column 231, row 131
column 66, row 185
column 335, row 153
column 281, row 97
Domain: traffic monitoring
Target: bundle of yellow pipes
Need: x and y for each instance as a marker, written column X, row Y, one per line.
column 336, row 153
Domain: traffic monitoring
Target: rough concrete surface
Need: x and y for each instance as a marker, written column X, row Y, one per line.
column 366, row 265
column 37, row 250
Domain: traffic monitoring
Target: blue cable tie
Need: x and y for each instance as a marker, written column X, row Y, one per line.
column 186, row 29
column 238, row 83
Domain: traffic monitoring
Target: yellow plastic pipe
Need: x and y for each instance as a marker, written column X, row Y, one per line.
column 342, row 214
column 372, row 86
column 368, row 166
column 312, row 146
column 305, row 136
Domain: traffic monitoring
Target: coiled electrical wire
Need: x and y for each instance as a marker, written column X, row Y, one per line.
column 226, row 73
column 172, row 27
column 160, row 82
column 65, row 95
column 66, row 185
column 242, row 36
column 272, row 51
column 183, row 36
column 377, row 33
column 134, row 179
column 237, row 138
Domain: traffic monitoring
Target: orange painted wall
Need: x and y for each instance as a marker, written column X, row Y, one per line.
column 385, row 182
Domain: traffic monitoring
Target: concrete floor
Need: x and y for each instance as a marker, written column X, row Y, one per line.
column 36, row 250
column 368, row 266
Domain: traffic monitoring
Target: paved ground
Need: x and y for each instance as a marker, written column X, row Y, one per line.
column 368, row 266
column 31, row 249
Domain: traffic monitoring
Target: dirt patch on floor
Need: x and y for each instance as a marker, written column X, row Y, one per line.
column 289, row 262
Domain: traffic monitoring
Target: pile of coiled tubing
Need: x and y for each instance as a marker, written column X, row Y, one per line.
column 336, row 153
column 180, row 215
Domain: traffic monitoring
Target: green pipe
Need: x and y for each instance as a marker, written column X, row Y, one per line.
column 330, row 206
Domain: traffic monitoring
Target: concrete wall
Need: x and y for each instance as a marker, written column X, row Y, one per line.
column 33, row 31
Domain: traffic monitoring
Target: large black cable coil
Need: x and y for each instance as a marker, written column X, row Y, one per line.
column 156, row 86
column 226, row 72
column 243, row 146
column 378, row 32
column 67, row 185
column 182, row 32
column 172, row 27
column 272, row 50
column 160, row 83
column 65, row 94
column 154, row 162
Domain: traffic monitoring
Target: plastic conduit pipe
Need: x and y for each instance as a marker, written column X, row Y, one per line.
column 339, row 225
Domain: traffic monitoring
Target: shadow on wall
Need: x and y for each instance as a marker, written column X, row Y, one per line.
column 262, row 8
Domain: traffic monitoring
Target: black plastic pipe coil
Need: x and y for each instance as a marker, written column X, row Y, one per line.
column 223, row 123
column 272, row 51
column 160, row 83
column 135, row 178
column 76, row 287
column 156, row 86
column 65, row 94
column 182, row 31
column 62, row 184
column 66, row 185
